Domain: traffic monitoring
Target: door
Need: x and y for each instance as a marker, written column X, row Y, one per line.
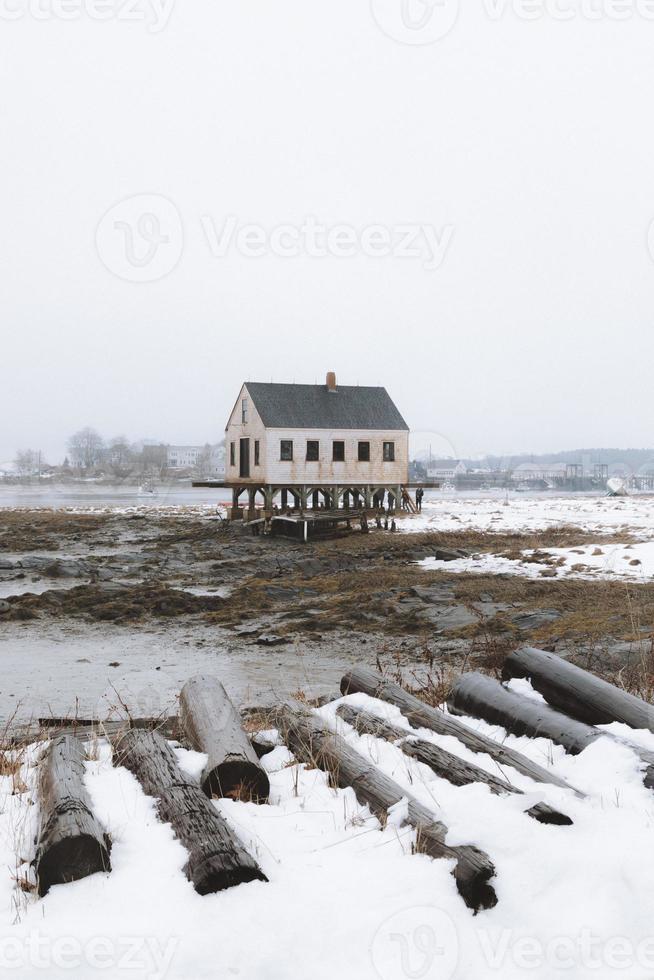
column 244, row 459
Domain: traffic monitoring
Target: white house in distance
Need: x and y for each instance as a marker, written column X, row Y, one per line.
column 445, row 469
column 322, row 444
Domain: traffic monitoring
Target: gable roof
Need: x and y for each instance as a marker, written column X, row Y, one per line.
column 285, row 406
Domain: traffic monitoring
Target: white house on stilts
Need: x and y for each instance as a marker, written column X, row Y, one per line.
column 315, row 446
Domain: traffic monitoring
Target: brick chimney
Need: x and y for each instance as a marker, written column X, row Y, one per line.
column 331, row 381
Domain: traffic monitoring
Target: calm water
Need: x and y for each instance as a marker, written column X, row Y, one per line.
column 79, row 495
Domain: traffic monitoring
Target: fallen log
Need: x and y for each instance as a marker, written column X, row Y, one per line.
column 421, row 715
column 443, row 763
column 71, row 843
column 217, row 859
column 577, row 692
column 314, row 744
column 483, row 697
column 213, row 725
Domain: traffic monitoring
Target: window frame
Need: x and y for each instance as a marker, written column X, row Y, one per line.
column 257, row 452
column 244, row 411
column 338, row 458
column 285, row 443
column 388, row 452
column 366, row 457
column 232, row 454
column 314, row 443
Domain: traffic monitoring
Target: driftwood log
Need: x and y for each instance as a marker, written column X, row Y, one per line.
column 443, row 763
column 313, row 743
column 213, row 725
column 217, row 859
column 577, row 692
column 483, row 697
column 421, row 715
column 71, row 843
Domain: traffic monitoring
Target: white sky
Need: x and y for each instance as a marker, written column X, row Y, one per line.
column 531, row 140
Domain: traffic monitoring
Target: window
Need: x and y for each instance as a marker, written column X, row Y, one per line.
column 244, row 411
column 286, row 450
column 256, row 452
column 232, row 454
column 338, row 452
column 313, row 451
column 364, row 452
column 389, row 452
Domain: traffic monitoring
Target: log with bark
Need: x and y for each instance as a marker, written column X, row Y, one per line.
column 443, row 763
column 213, row 726
column 314, row 744
column 421, row 715
column 217, row 859
column 71, row 843
column 577, row 692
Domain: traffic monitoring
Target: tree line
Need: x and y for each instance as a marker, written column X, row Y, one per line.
column 90, row 454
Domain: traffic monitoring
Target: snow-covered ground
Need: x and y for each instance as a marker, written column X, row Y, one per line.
column 633, row 562
column 503, row 512
column 631, row 517
column 346, row 899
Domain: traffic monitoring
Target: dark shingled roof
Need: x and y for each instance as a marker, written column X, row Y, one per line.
column 284, row 406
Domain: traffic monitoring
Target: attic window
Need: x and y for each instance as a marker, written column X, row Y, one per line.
column 244, row 411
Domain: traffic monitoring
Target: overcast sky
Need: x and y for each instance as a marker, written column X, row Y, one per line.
column 461, row 218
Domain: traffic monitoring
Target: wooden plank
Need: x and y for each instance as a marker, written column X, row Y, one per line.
column 71, row 843
column 314, row 744
column 443, row 763
column 216, row 857
column 213, row 726
column 421, row 715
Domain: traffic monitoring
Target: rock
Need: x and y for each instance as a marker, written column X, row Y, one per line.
column 4, row 607
column 103, row 575
column 271, row 640
column 8, row 563
column 449, row 554
column 433, row 593
column 445, row 618
column 281, row 592
column 535, row 620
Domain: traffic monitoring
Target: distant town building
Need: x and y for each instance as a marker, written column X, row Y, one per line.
column 445, row 469
column 208, row 458
column 547, row 472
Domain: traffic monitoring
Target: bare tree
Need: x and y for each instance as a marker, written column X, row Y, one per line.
column 28, row 462
column 120, row 456
column 86, row 449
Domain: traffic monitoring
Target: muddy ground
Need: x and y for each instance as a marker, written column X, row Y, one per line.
column 86, row 597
